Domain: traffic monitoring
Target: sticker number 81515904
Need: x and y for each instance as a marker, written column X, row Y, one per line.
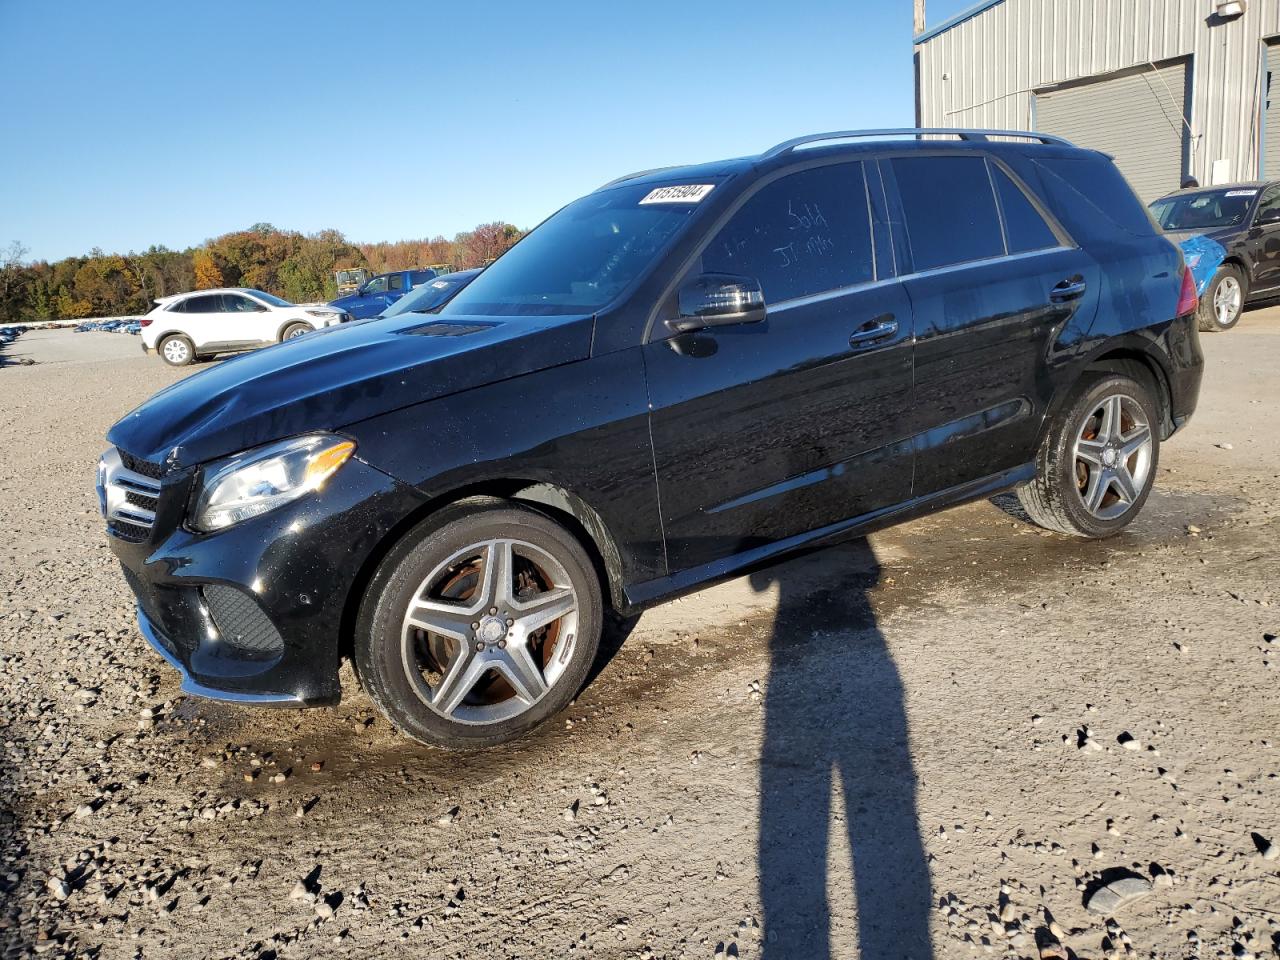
column 682, row 193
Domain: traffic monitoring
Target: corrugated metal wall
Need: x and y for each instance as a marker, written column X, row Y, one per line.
column 993, row 62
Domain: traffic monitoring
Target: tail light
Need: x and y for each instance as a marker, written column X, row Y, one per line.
column 1188, row 299
column 144, row 322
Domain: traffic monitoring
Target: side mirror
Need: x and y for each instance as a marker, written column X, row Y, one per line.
column 1270, row 215
column 719, row 300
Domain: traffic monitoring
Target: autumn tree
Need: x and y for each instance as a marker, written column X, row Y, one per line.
column 208, row 276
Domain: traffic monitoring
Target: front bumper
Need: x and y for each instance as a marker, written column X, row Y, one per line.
column 256, row 613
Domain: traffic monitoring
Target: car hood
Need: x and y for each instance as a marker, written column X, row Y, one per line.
column 345, row 303
column 338, row 376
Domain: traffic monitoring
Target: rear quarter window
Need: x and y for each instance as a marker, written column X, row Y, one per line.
column 1085, row 190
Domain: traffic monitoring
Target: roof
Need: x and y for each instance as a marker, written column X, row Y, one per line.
column 959, row 18
column 190, row 293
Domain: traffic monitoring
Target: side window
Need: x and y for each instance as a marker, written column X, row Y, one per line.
column 805, row 233
column 208, row 303
column 1025, row 229
column 178, row 307
column 949, row 209
column 419, row 277
column 1270, row 201
column 376, row 285
column 395, row 281
column 234, row 303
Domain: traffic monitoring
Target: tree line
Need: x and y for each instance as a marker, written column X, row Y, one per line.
column 289, row 264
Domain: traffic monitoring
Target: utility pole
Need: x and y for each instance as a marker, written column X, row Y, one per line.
column 919, row 22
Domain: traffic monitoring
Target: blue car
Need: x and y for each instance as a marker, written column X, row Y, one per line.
column 378, row 293
column 432, row 294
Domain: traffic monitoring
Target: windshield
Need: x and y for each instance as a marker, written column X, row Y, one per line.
column 431, row 294
column 1206, row 210
column 579, row 260
column 268, row 298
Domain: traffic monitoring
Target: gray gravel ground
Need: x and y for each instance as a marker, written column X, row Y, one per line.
column 942, row 742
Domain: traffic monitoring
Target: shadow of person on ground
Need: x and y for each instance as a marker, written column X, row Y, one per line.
column 835, row 716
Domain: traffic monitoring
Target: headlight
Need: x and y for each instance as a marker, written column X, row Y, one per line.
column 254, row 482
column 323, row 314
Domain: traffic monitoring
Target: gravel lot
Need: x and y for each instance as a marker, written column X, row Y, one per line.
column 940, row 742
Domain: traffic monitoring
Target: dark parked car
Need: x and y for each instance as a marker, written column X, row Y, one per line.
column 684, row 373
column 1245, row 219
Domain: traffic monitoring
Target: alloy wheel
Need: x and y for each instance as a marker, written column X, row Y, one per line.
column 1113, row 456
column 490, row 631
column 1228, row 298
column 175, row 351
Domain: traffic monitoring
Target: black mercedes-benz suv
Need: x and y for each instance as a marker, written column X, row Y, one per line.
column 686, row 372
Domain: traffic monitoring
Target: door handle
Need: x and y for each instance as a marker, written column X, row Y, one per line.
column 873, row 331
column 1068, row 289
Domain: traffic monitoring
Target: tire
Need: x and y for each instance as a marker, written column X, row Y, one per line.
column 295, row 330
column 1223, row 301
column 1078, row 489
column 455, row 687
column 176, row 350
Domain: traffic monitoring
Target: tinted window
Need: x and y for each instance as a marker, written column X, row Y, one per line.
column 1083, row 189
column 1270, row 200
column 234, row 303
column 580, row 259
column 949, row 209
column 395, row 281
column 208, row 303
column 805, row 233
column 419, row 277
column 179, row 307
column 1024, row 228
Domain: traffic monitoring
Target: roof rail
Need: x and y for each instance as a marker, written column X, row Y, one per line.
column 964, row 134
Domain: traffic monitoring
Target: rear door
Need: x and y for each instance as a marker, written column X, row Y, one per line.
column 993, row 281
column 202, row 320
column 770, row 430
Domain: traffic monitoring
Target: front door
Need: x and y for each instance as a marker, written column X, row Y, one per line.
column 768, row 431
column 1262, row 241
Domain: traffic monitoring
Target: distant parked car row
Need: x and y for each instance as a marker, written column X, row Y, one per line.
column 118, row 325
column 10, row 334
column 1230, row 237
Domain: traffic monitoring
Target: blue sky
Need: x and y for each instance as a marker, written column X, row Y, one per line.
column 127, row 125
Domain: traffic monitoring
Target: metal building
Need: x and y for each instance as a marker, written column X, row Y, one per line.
column 1170, row 88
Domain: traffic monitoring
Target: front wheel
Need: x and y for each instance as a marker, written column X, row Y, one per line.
column 1098, row 461
column 295, row 330
column 177, row 350
column 482, row 624
column 1223, row 300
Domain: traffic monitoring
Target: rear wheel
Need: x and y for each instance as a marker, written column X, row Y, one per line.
column 1098, row 461
column 177, row 350
column 1223, row 300
column 480, row 626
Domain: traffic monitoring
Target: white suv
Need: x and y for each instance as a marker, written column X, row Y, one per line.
column 192, row 326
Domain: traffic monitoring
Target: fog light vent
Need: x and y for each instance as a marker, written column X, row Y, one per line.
column 241, row 622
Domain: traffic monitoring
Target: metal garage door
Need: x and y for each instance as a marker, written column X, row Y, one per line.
column 1271, row 115
column 1138, row 118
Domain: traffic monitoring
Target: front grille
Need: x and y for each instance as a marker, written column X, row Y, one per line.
column 241, row 621
column 145, row 467
column 129, row 498
column 133, row 532
column 141, row 500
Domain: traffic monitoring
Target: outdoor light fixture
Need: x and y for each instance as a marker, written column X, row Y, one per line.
column 1230, row 8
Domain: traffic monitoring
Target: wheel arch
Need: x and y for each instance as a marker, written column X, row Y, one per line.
column 1131, row 359
column 562, row 504
column 286, row 324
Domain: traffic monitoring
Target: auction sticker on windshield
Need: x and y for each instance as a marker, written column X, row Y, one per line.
column 1240, row 193
column 684, row 193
